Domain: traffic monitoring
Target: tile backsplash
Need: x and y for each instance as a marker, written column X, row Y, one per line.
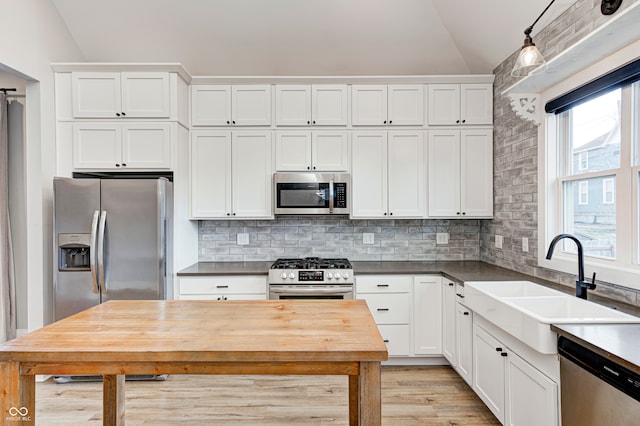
column 335, row 236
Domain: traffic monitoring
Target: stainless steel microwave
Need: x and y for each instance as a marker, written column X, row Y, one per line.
column 311, row 193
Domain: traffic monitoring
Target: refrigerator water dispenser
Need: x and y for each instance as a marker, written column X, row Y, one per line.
column 74, row 252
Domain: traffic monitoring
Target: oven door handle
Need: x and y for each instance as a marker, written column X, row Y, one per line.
column 320, row 290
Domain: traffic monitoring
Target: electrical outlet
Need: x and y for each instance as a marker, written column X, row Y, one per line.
column 525, row 244
column 367, row 238
column 442, row 238
column 499, row 241
column 243, row 239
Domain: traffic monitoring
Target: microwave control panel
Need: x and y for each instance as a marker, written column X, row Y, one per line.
column 340, row 201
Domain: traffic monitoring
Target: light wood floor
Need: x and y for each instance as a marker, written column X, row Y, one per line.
column 410, row 396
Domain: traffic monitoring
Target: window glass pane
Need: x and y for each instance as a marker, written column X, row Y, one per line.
column 589, row 217
column 595, row 134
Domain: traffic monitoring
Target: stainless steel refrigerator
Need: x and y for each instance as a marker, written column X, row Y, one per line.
column 112, row 241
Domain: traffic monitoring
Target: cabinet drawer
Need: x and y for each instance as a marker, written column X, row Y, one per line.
column 219, row 296
column 223, row 285
column 384, row 284
column 397, row 338
column 459, row 292
column 389, row 308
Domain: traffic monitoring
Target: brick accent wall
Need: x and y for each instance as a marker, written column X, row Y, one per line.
column 516, row 160
column 332, row 236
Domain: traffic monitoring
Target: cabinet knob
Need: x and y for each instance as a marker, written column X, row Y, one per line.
column 498, row 349
column 463, row 213
column 124, row 165
column 390, row 121
column 503, row 354
column 384, row 122
column 464, row 121
column 117, row 165
column 386, row 340
column 233, row 122
column 234, row 214
column 385, row 213
column 123, row 114
column 228, row 122
column 391, row 214
column 314, row 167
column 228, row 214
column 308, row 122
column 308, row 168
column 457, row 212
column 457, row 121
column 117, row 114
column 314, row 121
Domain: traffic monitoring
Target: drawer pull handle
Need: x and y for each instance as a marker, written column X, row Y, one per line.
column 503, row 353
column 498, row 349
column 465, row 313
column 383, row 309
column 450, row 284
column 386, row 340
column 383, row 285
column 460, row 295
column 222, row 286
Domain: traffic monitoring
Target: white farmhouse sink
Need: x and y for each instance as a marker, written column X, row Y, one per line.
column 526, row 310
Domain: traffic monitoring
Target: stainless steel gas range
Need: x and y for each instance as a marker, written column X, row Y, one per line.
column 311, row 278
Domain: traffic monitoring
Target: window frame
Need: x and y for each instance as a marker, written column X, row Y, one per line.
column 550, row 218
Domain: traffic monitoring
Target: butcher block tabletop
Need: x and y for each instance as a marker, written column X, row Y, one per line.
column 209, row 331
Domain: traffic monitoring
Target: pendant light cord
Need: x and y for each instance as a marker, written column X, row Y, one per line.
column 530, row 28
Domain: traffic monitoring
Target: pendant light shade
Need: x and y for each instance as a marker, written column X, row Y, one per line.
column 529, row 58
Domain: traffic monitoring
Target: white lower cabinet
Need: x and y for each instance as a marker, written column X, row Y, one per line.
column 389, row 299
column 449, row 321
column 515, row 391
column 407, row 310
column 223, row 288
column 427, row 314
column 464, row 343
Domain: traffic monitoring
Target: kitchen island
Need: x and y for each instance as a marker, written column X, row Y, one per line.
column 311, row 337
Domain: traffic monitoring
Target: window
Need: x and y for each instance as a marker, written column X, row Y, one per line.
column 583, row 160
column 608, row 191
column 583, row 192
column 593, row 149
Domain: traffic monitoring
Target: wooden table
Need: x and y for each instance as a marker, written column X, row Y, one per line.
column 328, row 337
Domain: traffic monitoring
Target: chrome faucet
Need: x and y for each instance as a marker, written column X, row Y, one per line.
column 581, row 285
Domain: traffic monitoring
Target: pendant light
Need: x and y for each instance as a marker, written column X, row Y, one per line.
column 529, row 57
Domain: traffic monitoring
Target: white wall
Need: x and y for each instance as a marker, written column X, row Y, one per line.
column 33, row 35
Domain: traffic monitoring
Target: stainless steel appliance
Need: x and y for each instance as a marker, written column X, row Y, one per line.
column 112, row 240
column 596, row 390
column 311, row 278
column 311, row 193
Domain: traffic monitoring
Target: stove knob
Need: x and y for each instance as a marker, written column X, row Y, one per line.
column 329, row 276
column 292, row 275
column 345, row 276
column 284, row 275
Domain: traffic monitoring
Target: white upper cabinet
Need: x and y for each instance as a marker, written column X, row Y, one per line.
column 116, row 146
column 460, row 169
column 460, row 104
column 304, row 150
column 388, row 174
column 382, row 105
column 231, row 174
column 120, row 95
column 311, row 105
column 225, row 105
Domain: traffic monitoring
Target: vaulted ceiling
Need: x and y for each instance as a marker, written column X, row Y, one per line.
column 306, row 37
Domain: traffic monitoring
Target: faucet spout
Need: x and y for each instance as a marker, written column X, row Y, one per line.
column 581, row 285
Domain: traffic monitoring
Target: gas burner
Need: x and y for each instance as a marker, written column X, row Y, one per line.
column 311, row 263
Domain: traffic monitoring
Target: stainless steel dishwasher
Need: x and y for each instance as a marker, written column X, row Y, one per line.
column 595, row 390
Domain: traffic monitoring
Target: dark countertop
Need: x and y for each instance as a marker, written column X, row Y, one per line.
column 618, row 342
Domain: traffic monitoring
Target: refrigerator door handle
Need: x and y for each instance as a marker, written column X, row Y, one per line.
column 92, row 252
column 101, row 242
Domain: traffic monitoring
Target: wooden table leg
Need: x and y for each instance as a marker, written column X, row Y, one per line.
column 17, row 395
column 354, row 408
column 113, row 400
column 369, row 394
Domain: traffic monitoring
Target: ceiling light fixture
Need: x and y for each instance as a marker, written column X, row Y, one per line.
column 529, row 57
